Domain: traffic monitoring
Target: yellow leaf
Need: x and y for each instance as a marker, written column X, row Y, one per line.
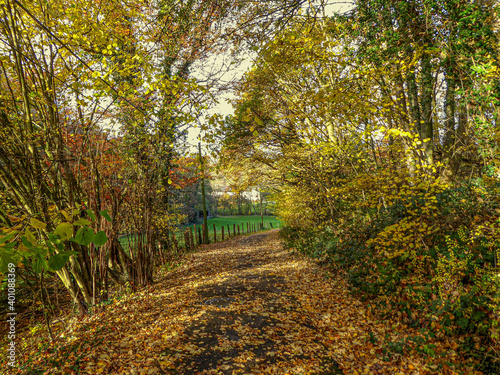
column 64, row 230
column 37, row 224
column 29, row 236
column 66, row 215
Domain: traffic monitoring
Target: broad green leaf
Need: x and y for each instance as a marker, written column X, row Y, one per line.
column 105, row 215
column 27, row 243
column 9, row 245
column 84, row 236
column 82, row 222
column 39, row 263
column 60, row 246
column 37, row 224
column 7, row 237
column 64, row 230
column 30, row 237
column 58, row 261
column 100, row 238
column 8, row 256
column 51, row 248
column 91, row 214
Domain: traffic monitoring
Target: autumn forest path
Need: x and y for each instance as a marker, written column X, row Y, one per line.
column 244, row 306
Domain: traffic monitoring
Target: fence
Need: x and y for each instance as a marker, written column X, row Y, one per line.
column 190, row 237
column 193, row 236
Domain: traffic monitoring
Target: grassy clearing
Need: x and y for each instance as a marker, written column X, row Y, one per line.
column 236, row 219
column 220, row 221
column 224, row 221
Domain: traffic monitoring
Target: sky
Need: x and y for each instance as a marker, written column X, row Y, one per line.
column 236, row 73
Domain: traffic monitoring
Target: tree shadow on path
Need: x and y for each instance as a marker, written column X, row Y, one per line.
column 241, row 326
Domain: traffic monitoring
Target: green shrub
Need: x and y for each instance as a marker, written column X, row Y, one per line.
column 447, row 283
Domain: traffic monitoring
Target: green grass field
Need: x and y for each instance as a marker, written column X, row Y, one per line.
column 224, row 221
column 219, row 222
column 236, row 219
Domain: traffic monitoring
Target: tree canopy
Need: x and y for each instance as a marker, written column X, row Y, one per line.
column 374, row 131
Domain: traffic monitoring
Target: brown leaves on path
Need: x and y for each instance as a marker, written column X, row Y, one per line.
column 244, row 306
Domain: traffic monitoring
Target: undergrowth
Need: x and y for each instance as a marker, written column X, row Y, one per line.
column 442, row 280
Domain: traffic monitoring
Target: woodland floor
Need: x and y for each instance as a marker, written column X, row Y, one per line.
column 244, row 306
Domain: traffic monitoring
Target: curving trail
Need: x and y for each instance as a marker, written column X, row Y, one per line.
column 245, row 306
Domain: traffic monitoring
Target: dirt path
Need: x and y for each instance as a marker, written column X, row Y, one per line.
column 249, row 318
column 245, row 306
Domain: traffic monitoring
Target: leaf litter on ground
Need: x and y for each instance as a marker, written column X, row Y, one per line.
column 243, row 306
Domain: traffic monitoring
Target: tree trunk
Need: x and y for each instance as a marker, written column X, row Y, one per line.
column 449, row 126
column 402, row 111
column 426, row 131
column 203, row 198
column 239, row 199
column 413, row 101
column 261, row 210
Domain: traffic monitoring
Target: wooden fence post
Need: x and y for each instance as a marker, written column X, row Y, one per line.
column 238, row 229
column 234, row 230
column 160, row 251
column 200, row 241
column 186, row 239
column 223, row 233
column 228, row 232
column 204, row 239
column 195, row 235
column 175, row 242
column 215, row 234
column 191, row 240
